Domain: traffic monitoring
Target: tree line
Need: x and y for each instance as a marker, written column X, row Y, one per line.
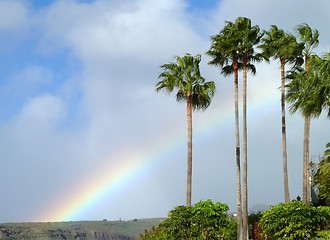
column 237, row 47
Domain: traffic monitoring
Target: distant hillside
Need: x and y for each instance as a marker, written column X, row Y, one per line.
column 259, row 208
column 254, row 209
column 91, row 230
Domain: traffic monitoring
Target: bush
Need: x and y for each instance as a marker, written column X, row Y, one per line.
column 156, row 233
column 205, row 220
column 254, row 217
column 254, row 229
column 294, row 220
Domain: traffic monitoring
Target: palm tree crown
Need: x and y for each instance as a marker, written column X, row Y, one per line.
column 185, row 76
column 309, row 37
column 280, row 45
column 309, row 91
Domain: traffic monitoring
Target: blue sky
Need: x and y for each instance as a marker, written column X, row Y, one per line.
column 77, row 93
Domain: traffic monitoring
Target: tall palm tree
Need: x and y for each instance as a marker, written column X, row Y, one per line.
column 309, row 91
column 225, row 54
column 310, row 39
column 284, row 47
column 235, row 46
column 184, row 75
column 249, row 36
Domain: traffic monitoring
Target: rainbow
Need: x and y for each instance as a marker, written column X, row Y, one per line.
column 128, row 167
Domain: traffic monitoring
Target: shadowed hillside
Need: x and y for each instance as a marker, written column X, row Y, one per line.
column 94, row 230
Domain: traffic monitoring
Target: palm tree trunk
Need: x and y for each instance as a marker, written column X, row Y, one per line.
column 238, row 162
column 306, row 147
column 305, row 162
column 285, row 162
column 189, row 165
column 245, row 193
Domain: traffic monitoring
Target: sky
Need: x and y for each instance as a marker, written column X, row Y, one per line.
column 85, row 136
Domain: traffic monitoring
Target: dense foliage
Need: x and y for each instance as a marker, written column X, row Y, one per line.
column 294, row 220
column 205, row 220
column 320, row 177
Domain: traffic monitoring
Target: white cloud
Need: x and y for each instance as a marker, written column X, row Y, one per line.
column 13, row 15
column 28, row 81
column 121, row 45
column 41, row 110
column 142, row 29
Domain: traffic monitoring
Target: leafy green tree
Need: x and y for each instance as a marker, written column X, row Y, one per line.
column 224, row 53
column 284, row 47
column 320, row 177
column 184, row 75
column 309, row 37
column 205, row 220
column 294, row 220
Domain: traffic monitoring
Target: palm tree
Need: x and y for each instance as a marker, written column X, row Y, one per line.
column 249, row 36
column 235, row 45
column 310, row 39
column 284, row 47
column 184, row 75
column 225, row 54
column 309, row 91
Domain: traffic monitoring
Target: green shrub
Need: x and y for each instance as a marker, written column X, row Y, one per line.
column 156, row 233
column 293, row 221
column 254, row 229
column 205, row 220
column 254, row 217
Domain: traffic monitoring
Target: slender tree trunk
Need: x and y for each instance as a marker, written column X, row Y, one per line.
column 306, row 148
column 285, row 163
column 245, row 190
column 305, row 162
column 307, row 142
column 238, row 162
column 189, row 165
